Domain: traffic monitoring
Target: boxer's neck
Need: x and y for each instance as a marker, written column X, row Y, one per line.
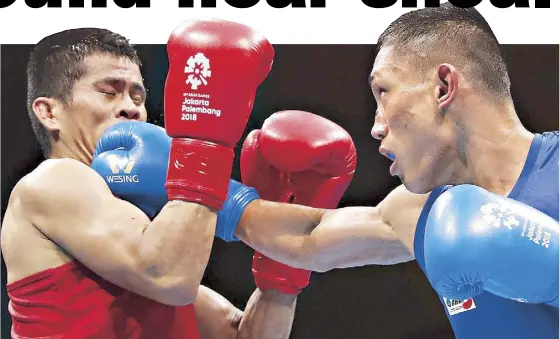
column 71, row 149
column 495, row 146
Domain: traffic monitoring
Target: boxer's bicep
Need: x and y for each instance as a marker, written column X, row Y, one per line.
column 355, row 236
column 75, row 209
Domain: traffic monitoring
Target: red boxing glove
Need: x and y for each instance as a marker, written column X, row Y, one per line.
column 297, row 157
column 272, row 275
column 215, row 68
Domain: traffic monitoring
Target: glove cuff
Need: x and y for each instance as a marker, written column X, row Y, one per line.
column 273, row 275
column 239, row 196
column 267, row 282
column 199, row 171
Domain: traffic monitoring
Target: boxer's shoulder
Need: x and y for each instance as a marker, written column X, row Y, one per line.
column 36, row 203
column 401, row 210
column 54, row 184
column 55, row 175
column 401, row 199
column 53, row 169
column 551, row 141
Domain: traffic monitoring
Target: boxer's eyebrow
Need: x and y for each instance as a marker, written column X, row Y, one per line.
column 120, row 83
column 140, row 89
column 372, row 77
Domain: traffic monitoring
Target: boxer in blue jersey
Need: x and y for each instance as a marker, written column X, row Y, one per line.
column 478, row 207
column 478, row 204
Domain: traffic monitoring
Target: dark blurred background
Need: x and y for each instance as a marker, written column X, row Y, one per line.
column 330, row 80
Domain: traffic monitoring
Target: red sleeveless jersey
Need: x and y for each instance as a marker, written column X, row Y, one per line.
column 72, row 302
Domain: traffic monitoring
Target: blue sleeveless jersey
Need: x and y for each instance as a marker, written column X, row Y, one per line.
column 487, row 315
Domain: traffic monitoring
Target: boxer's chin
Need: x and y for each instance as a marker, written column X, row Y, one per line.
column 101, row 128
column 414, row 187
column 416, row 183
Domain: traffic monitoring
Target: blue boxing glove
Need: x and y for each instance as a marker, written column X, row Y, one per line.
column 132, row 157
column 479, row 241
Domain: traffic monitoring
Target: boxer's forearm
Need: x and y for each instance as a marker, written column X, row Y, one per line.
column 268, row 314
column 280, row 231
column 175, row 247
column 355, row 236
column 321, row 240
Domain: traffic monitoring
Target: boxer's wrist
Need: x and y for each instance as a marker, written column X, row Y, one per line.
column 199, row 171
column 239, row 197
column 279, row 289
column 278, row 296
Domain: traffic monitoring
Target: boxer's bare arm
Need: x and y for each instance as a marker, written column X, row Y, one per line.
column 321, row 240
column 163, row 260
column 268, row 314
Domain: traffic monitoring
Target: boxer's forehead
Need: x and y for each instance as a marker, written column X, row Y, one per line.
column 101, row 65
column 387, row 66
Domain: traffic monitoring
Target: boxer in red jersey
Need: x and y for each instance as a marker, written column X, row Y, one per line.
column 83, row 263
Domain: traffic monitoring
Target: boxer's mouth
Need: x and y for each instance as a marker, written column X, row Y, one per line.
column 386, row 153
column 393, row 169
column 389, row 155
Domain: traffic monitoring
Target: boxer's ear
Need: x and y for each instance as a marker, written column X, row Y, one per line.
column 45, row 110
column 448, row 84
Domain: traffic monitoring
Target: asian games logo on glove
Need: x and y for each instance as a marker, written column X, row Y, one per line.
column 195, row 103
column 498, row 215
column 198, row 70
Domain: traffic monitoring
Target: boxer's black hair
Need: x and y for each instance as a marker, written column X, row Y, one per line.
column 56, row 63
column 455, row 35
